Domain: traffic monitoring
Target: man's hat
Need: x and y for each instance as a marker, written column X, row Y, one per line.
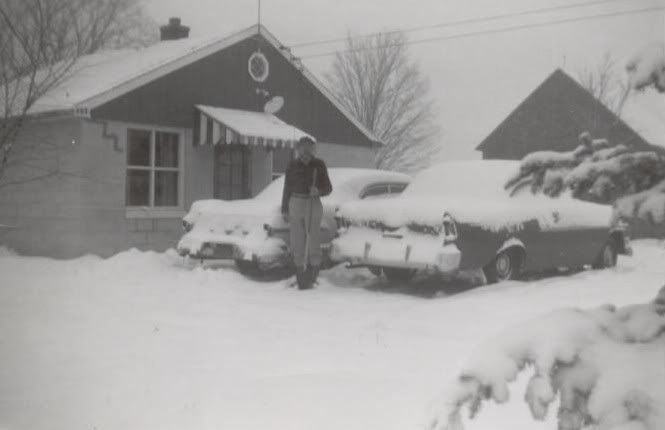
column 306, row 140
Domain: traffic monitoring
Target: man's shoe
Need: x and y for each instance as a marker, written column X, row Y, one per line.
column 313, row 272
column 303, row 279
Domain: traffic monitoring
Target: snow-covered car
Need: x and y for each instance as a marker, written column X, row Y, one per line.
column 457, row 216
column 252, row 231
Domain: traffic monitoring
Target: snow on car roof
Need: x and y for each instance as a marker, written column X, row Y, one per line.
column 472, row 177
column 473, row 192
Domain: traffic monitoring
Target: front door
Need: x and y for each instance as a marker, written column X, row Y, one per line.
column 231, row 172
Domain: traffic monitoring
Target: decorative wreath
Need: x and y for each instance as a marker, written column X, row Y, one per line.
column 258, row 67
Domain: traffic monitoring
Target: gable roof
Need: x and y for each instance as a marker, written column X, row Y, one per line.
column 101, row 77
column 573, row 101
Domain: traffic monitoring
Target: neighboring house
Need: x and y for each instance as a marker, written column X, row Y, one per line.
column 551, row 118
column 133, row 137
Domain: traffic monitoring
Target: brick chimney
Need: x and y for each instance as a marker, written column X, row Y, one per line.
column 173, row 30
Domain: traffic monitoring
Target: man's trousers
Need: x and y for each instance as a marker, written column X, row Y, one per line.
column 305, row 216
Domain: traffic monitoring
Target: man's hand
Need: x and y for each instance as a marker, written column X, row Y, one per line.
column 313, row 191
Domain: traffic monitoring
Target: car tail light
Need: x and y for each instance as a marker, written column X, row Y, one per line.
column 449, row 229
column 186, row 226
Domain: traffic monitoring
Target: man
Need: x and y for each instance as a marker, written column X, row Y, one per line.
column 305, row 182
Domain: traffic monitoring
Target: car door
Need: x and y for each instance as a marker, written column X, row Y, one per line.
column 558, row 244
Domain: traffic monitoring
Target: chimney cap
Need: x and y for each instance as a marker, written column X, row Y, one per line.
column 173, row 30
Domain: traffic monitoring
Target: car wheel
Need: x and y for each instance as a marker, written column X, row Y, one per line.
column 397, row 274
column 247, row 268
column 251, row 269
column 504, row 267
column 607, row 257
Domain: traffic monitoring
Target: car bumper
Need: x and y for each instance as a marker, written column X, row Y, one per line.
column 266, row 251
column 376, row 249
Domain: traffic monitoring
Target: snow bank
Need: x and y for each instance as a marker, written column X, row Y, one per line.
column 606, row 365
column 142, row 341
column 473, row 192
column 647, row 67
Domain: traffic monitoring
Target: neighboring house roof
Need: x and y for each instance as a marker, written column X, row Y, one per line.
column 98, row 78
column 558, row 104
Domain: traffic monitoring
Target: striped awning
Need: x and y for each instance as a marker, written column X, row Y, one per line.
column 232, row 126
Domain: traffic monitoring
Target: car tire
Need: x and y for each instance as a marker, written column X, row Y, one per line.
column 607, row 257
column 398, row 274
column 504, row 267
column 251, row 269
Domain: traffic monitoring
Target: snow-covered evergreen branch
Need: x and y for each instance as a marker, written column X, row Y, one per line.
column 605, row 365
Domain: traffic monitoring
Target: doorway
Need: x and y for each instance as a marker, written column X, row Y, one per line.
column 232, row 165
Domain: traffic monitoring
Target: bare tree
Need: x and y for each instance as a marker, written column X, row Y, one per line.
column 40, row 42
column 375, row 79
column 605, row 82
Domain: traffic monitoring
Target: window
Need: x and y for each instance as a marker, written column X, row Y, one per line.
column 154, row 169
column 280, row 161
column 397, row 188
column 382, row 190
column 374, row 191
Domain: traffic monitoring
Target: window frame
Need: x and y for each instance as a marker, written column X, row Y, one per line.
column 150, row 210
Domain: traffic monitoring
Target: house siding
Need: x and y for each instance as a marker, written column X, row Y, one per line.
column 83, row 210
column 338, row 155
column 222, row 80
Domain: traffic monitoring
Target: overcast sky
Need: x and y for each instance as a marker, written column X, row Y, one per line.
column 476, row 81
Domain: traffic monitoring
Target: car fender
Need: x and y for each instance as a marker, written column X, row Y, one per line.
column 510, row 243
column 514, row 242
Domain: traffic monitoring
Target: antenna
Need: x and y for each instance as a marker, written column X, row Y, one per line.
column 258, row 15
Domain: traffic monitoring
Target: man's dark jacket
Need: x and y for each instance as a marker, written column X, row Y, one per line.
column 300, row 176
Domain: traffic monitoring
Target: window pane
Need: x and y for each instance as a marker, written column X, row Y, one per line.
column 137, row 190
column 376, row 190
column 138, row 147
column 166, row 149
column 166, row 188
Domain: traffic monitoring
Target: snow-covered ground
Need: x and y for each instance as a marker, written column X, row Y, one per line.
column 142, row 341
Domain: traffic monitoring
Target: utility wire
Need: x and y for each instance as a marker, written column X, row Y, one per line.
column 494, row 31
column 460, row 22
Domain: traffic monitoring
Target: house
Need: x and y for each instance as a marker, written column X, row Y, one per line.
column 551, row 118
column 131, row 138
